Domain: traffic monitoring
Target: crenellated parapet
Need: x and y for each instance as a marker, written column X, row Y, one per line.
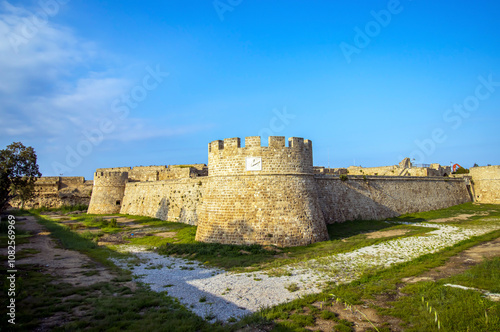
column 228, row 157
column 110, row 179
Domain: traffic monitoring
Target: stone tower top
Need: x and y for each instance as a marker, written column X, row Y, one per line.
column 227, row 157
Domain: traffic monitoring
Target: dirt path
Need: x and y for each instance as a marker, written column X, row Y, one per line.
column 69, row 265
column 459, row 263
column 460, row 217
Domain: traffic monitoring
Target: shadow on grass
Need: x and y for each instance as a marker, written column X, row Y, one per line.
column 350, row 228
column 476, row 211
column 62, row 209
column 224, row 255
column 407, row 218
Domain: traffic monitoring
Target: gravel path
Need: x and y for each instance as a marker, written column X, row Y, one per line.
column 216, row 294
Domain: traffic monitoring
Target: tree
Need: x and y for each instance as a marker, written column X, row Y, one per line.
column 18, row 173
column 461, row 170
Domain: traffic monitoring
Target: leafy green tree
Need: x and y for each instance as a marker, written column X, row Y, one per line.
column 462, row 170
column 18, row 173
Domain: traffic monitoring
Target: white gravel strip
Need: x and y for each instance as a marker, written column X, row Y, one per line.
column 216, row 294
column 491, row 296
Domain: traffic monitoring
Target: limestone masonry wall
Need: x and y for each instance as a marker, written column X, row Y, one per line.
column 56, row 191
column 405, row 168
column 169, row 193
column 274, row 203
column 175, row 200
column 486, row 181
column 108, row 192
column 381, row 197
column 145, row 173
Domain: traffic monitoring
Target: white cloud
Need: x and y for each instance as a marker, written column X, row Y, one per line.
column 39, row 92
column 51, row 93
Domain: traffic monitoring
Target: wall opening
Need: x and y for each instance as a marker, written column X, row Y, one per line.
column 117, row 202
column 469, row 191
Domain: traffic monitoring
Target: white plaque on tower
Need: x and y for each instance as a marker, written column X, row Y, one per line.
column 254, row 164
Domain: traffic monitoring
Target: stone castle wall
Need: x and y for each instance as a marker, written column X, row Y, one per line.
column 329, row 171
column 108, row 192
column 57, row 191
column 273, row 194
column 178, row 200
column 401, row 170
column 486, row 183
column 159, row 173
column 145, row 173
column 372, row 197
column 274, row 203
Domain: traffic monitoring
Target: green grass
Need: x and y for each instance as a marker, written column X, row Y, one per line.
column 342, row 328
column 169, row 225
column 63, row 209
column 226, row 256
column 302, row 320
column 107, row 306
column 492, row 210
column 428, row 303
column 384, row 282
column 325, row 314
column 84, row 242
column 484, row 276
column 21, row 236
column 150, row 241
column 293, row 287
column 345, row 237
column 90, row 221
column 26, row 252
column 350, row 228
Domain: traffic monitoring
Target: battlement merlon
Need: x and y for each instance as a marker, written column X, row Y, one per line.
column 228, row 157
column 255, row 141
column 109, row 174
column 114, row 169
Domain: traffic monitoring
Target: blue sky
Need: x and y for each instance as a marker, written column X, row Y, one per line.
column 95, row 84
